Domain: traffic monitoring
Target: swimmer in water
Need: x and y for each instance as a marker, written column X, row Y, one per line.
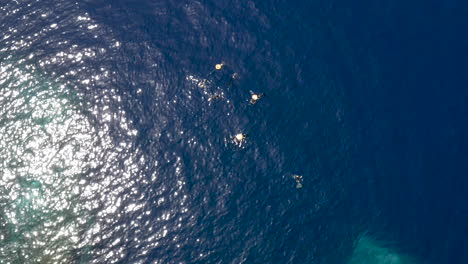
column 231, row 80
column 239, row 138
column 255, row 97
column 298, row 179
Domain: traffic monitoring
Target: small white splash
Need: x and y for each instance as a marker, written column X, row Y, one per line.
column 81, row 18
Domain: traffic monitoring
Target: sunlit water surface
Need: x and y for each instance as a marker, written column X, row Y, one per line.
column 116, row 134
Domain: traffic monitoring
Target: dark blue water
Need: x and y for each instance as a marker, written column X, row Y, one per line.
column 116, row 132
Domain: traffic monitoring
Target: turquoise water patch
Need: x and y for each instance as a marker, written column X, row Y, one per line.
column 372, row 251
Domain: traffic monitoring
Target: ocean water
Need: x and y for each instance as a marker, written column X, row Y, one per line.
column 116, row 132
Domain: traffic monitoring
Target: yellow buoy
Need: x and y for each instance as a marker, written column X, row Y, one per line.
column 255, row 98
column 219, row 66
column 240, row 137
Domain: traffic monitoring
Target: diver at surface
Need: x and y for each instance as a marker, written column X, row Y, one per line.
column 298, row 179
